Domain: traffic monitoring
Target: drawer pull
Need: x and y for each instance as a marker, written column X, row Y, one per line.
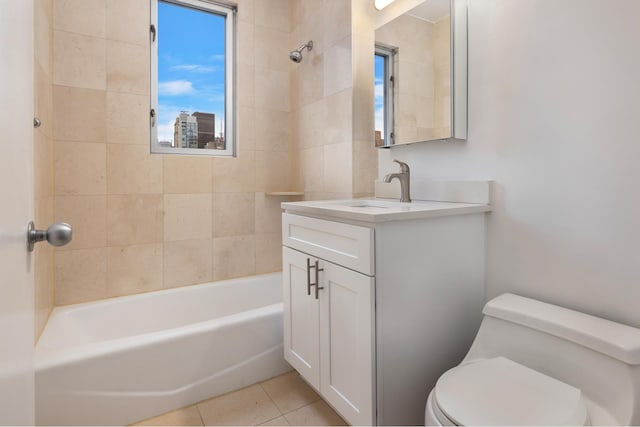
column 309, row 266
column 317, row 284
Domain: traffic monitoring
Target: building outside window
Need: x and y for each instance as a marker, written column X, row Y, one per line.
column 192, row 108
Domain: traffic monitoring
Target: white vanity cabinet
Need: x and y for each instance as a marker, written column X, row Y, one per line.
column 377, row 306
column 329, row 320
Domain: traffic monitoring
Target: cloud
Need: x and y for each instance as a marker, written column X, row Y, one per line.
column 379, row 119
column 379, row 90
column 194, row 68
column 219, row 57
column 213, row 93
column 166, row 118
column 175, row 88
column 165, row 132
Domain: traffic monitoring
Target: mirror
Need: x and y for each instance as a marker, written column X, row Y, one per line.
column 420, row 74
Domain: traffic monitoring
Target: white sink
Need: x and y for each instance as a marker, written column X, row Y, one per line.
column 365, row 203
column 377, row 210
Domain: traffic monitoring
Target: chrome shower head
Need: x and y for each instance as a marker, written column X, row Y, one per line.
column 296, row 55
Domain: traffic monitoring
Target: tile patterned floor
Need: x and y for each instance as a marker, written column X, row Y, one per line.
column 280, row 401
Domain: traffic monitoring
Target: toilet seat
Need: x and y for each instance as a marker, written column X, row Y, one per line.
column 500, row 391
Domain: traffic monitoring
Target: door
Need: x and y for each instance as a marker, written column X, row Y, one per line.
column 16, row 209
column 301, row 316
column 347, row 310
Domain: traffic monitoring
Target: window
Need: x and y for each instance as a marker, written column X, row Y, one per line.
column 192, row 77
column 383, row 95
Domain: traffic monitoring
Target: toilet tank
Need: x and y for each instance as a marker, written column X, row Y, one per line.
column 598, row 356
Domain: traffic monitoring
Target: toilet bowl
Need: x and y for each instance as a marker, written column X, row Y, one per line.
column 533, row 363
column 498, row 391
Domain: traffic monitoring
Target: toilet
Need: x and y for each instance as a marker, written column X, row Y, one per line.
column 533, row 363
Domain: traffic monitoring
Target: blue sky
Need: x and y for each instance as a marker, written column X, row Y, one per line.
column 379, row 93
column 190, row 65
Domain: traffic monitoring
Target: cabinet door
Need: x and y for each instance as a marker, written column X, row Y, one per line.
column 347, row 342
column 301, row 317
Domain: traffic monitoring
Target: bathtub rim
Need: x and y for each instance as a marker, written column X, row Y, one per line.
column 62, row 309
column 51, row 357
column 47, row 359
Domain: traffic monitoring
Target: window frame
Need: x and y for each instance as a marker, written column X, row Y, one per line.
column 388, row 53
column 229, row 12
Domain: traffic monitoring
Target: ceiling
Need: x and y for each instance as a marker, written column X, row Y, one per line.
column 431, row 10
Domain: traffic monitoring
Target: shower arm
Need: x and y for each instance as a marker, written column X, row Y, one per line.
column 308, row 46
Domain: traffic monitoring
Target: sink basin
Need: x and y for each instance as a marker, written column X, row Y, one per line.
column 376, row 204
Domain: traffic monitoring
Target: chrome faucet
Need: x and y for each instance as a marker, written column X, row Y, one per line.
column 404, row 178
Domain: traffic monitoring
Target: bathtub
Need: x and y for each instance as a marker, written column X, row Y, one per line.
column 118, row 361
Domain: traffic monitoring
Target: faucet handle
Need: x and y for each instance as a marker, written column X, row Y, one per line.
column 404, row 168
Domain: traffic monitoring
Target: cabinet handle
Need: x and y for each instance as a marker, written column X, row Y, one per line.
column 308, row 276
column 317, row 284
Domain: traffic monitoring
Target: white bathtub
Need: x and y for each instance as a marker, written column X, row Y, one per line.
column 122, row 360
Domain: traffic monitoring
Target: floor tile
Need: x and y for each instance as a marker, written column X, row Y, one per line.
column 315, row 414
column 249, row 406
column 280, row 421
column 188, row 416
column 289, row 392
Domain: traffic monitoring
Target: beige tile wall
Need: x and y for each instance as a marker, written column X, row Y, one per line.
column 442, row 81
column 144, row 222
column 365, row 164
column 43, row 160
column 330, row 158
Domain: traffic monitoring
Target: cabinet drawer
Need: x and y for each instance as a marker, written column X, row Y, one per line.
column 344, row 244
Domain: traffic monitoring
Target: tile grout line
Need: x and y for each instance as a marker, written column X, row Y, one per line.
column 320, row 399
column 283, row 414
column 303, row 406
column 200, row 414
column 274, row 404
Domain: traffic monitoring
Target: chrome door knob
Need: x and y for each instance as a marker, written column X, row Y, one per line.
column 59, row 234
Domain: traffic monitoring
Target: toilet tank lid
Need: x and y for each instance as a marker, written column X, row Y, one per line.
column 613, row 339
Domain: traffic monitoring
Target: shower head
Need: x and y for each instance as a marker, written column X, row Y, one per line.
column 296, row 55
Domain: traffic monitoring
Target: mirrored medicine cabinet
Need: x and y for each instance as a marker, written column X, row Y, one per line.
column 420, row 72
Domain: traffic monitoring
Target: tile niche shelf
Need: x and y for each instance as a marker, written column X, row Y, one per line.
column 285, row 193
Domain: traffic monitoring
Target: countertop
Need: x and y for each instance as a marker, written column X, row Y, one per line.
column 381, row 210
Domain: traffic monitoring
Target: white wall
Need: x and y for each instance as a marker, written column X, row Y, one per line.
column 554, row 119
